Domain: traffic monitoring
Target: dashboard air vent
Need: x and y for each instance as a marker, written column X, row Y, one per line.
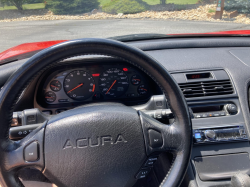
column 206, row 88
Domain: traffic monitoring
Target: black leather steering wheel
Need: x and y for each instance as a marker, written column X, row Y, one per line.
column 102, row 144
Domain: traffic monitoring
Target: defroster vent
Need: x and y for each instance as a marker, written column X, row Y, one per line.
column 206, row 88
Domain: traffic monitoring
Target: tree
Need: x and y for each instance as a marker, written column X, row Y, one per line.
column 242, row 6
column 163, row 2
column 17, row 3
column 2, row 3
column 71, row 6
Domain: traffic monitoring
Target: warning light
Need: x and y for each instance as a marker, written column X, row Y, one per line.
column 125, row 69
column 96, row 75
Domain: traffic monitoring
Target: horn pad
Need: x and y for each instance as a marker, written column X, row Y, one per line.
column 94, row 145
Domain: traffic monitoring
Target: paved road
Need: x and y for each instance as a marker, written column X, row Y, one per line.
column 15, row 33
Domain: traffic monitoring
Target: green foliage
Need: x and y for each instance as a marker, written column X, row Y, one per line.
column 181, row 7
column 211, row 11
column 62, row 7
column 125, row 6
column 242, row 6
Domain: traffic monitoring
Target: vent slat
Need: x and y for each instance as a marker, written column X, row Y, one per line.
column 217, row 90
column 208, row 88
column 195, row 85
column 225, row 86
column 217, row 82
column 189, row 87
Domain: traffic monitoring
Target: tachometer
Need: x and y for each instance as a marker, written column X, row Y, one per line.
column 113, row 82
column 79, row 85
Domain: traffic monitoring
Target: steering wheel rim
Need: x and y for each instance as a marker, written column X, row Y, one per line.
column 47, row 58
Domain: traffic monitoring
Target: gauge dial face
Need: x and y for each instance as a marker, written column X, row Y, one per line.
column 50, row 97
column 55, row 85
column 136, row 79
column 113, row 82
column 142, row 90
column 79, row 85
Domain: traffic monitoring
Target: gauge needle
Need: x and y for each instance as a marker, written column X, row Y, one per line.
column 144, row 89
column 54, row 86
column 137, row 79
column 75, row 87
column 111, row 86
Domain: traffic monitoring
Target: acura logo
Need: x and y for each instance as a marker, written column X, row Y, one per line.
column 94, row 142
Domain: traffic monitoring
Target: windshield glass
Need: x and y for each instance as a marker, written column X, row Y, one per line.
column 26, row 21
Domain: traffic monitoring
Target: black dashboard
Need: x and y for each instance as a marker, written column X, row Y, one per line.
column 213, row 73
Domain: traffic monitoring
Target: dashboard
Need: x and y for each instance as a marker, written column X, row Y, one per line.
column 202, row 67
column 72, row 85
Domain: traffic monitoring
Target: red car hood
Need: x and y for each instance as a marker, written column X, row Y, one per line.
column 26, row 50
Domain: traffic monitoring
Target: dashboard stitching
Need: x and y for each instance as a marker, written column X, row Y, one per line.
column 165, row 178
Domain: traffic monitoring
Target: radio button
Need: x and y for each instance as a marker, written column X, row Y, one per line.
column 242, row 132
column 210, row 114
column 222, row 113
column 210, row 134
column 216, row 114
column 198, row 115
column 204, row 115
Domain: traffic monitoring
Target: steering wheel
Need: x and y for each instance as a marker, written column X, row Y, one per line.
column 103, row 144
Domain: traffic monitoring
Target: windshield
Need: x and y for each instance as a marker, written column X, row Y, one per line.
column 26, row 21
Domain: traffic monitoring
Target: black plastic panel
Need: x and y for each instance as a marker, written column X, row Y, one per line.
column 222, row 166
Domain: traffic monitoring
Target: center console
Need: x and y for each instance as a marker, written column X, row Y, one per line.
column 220, row 139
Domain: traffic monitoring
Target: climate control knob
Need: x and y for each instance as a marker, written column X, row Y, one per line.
column 232, row 109
column 210, row 134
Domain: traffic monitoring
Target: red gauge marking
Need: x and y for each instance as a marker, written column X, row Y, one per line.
column 93, row 88
column 75, row 88
column 125, row 69
column 144, row 89
column 111, row 86
column 137, row 79
column 55, row 86
column 96, row 74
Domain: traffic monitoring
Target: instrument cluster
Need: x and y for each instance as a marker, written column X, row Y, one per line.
column 94, row 83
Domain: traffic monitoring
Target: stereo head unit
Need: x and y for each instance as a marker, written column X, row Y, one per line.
column 227, row 134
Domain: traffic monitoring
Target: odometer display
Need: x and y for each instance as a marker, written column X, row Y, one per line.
column 79, row 85
column 113, row 82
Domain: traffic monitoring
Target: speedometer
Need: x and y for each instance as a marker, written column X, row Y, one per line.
column 79, row 85
column 113, row 82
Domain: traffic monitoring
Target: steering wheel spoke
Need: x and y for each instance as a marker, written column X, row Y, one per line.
column 27, row 152
column 160, row 137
